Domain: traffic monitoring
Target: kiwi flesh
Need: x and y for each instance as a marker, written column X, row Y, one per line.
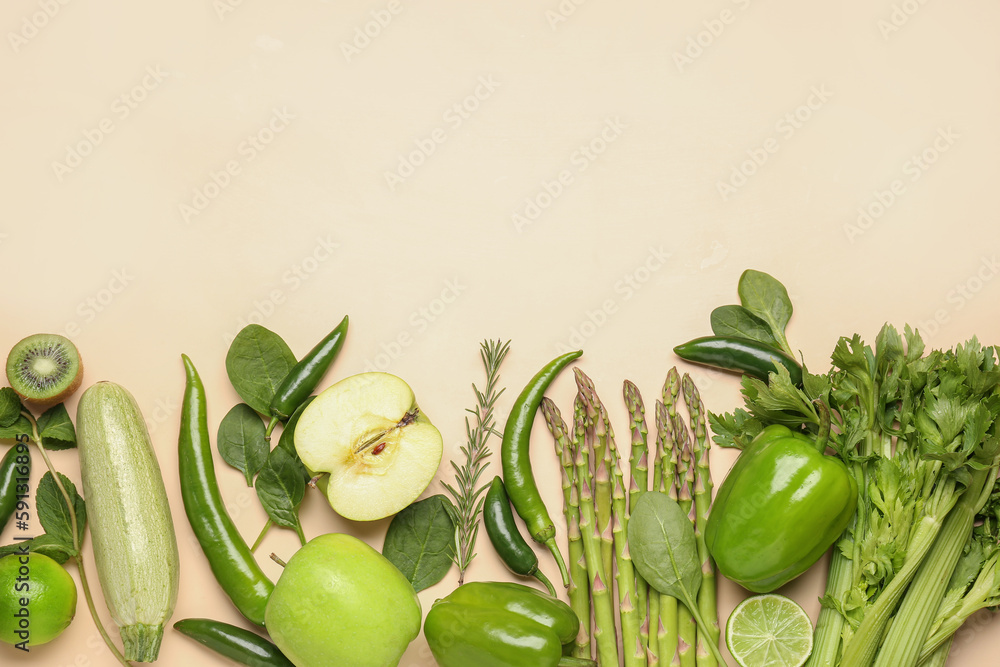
column 44, row 368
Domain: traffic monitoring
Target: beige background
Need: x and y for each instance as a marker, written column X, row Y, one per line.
column 172, row 172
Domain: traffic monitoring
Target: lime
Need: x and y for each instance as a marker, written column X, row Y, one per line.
column 37, row 599
column 769, row 631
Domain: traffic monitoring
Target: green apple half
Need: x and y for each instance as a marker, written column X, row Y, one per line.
column 379, row 448
column 340, row 602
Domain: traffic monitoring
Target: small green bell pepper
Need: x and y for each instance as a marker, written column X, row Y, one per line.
column 783, row 504
column 501, row 624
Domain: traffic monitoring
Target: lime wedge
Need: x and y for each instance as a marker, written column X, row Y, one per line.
column 769, row 631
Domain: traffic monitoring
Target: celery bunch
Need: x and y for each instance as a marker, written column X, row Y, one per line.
column 919, row 432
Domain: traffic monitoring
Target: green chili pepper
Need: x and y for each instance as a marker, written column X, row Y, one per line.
column 739, row 354
column 15, row 469
column 516, row 554
column 231, row 561
column 306, row 374
column 779, row 509
column 501, row 624
column 245, row 647
column 515, row 457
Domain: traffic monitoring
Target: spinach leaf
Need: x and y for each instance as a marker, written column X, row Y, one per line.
column 738, row 321
column 21, row 426
column 767, row 298
column 242, row 442
column 420, row 541
column 257, row 361
column 54, row 514
column 56, row 429
column 42, row 544
column 10, row 407
column 280, row 488
column 287, row 440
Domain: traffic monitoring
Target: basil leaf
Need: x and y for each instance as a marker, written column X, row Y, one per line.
column 420, row 541
column 768, row 299
column 10, row 407
column 738, row 321
column 43, row 544
column 662, row 542
column 257, row 361
column 280, row 488
column 20, row 427
column 54, row 514
column 242, row 441
column 56, row 429
column 287, row 440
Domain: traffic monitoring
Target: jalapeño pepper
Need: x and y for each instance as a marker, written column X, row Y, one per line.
column 783, row 504
column 501, row 624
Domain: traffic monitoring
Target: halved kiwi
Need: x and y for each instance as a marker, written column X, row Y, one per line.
column 44, row 368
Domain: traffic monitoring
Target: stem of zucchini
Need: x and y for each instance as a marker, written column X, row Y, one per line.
column 85, row 584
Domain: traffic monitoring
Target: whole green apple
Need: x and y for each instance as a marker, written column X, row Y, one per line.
column 340, row 602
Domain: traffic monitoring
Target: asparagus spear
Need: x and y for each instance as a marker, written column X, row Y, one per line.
column 668, row 638
column 579, row 594
column 707, row 603
column 638, row 484
column 687, row 630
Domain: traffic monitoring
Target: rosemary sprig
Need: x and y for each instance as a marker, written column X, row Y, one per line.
column 467, row 492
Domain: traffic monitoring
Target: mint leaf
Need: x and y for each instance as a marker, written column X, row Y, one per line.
column 420, row 541
column 55, row 515
column 10, row 407
column 56, row 429
column 257, row 361
column 43, row 544
column 21, row 426
column 242, row 441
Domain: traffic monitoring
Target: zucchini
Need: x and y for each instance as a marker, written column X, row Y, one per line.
column 135, row 547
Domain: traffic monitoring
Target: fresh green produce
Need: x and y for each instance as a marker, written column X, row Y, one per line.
column 134, row 544
column 501, row 624
column 782, row 506
column 378, row 448
column 515, row 457
column 237, row 644
column 305, row 376
column 45, row 368
column 340, row 602
column 739, row 354
column 467, row 492
column 38, row 599
column 242, row 441
column 258, row 361
column 231, row 561
column 515, row 553
column 665, row 551
column 15, row 470
column 420, row 541
column 769, row 630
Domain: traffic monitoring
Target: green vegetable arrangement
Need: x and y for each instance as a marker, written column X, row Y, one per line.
column 918, row 432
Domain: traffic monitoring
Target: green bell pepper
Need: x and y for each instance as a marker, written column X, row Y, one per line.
column 501, row 624
column 783, row 504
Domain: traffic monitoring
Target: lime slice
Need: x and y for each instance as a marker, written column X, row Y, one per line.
column 769, row 631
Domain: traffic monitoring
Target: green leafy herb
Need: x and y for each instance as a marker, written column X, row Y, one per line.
column 280, row 488
column 10, row 407
column 54, row 514
column 43, row 544
column 242, row 442
column 467, row 493
column 257, row 362
column 287, row 440
column 766, row 298
column 738, row 321
column 420, row 541
column 56, row 429
column 21, row 426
